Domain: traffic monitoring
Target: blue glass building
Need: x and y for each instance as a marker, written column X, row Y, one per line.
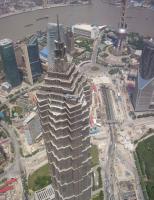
column 10, row 67
column 34, row 59
column 143, row 95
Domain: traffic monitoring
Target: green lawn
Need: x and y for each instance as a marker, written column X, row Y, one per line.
column 39, row 179
column 3, row 134
column 94, row 155
column 145, row 153
column 86, row 43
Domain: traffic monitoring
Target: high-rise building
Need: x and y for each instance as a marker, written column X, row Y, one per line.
column 10, row 67
column 32, row 59
column 147, row 61
column 51, row 37
column 69, row 41
column 63, row 103
column 143, row 96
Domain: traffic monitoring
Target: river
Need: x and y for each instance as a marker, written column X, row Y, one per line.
column 138, row 19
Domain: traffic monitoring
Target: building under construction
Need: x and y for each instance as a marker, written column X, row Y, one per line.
column 63, row 103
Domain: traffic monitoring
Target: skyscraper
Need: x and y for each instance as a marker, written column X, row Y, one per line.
column 32, row 59
column 63, row 103
column 147, row 61
column 69, row 41
column 10, row 67
column 51, row 37
column 143, row 96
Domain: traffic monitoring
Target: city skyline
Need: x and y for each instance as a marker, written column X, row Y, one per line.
column 78, row 124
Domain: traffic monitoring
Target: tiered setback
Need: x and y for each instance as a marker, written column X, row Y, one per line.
column 63, row 104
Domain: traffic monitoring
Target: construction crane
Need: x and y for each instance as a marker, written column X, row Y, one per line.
column 122, row 27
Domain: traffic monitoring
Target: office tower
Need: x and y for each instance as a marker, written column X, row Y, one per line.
column 51, row 37
column 32, row 59
column 143, row 96
column 10, row 67
column 69, row 41
column 63, row 103
column 147, row 61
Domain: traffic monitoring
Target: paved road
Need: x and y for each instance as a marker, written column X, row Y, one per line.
column 109, row 165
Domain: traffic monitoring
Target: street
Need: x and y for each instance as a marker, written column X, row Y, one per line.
column 109, row 165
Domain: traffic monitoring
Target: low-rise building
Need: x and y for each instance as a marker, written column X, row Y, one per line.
column 32, row 128
column 9, row 190
column 46, row 193
column 86, row 30
column 6, row 87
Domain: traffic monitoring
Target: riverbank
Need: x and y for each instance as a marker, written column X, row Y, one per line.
column 38, row 8
column 99, row 13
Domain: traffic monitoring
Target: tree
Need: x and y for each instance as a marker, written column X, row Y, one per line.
column 99, row 177
column 41, row 182
column 101, row 195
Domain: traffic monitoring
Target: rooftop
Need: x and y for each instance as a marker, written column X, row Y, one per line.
column 6, row 85
column 5, row 42
column 30, row 117
column 86, row 27
column 46, row 193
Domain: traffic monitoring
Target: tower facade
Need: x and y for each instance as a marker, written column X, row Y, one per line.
column 10, row 67
column 63, row 103
column 147, row 61
column 143, row 96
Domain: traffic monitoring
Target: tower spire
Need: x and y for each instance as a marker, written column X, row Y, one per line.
column 59, row 44
column 122, row 32
column 58, row 29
